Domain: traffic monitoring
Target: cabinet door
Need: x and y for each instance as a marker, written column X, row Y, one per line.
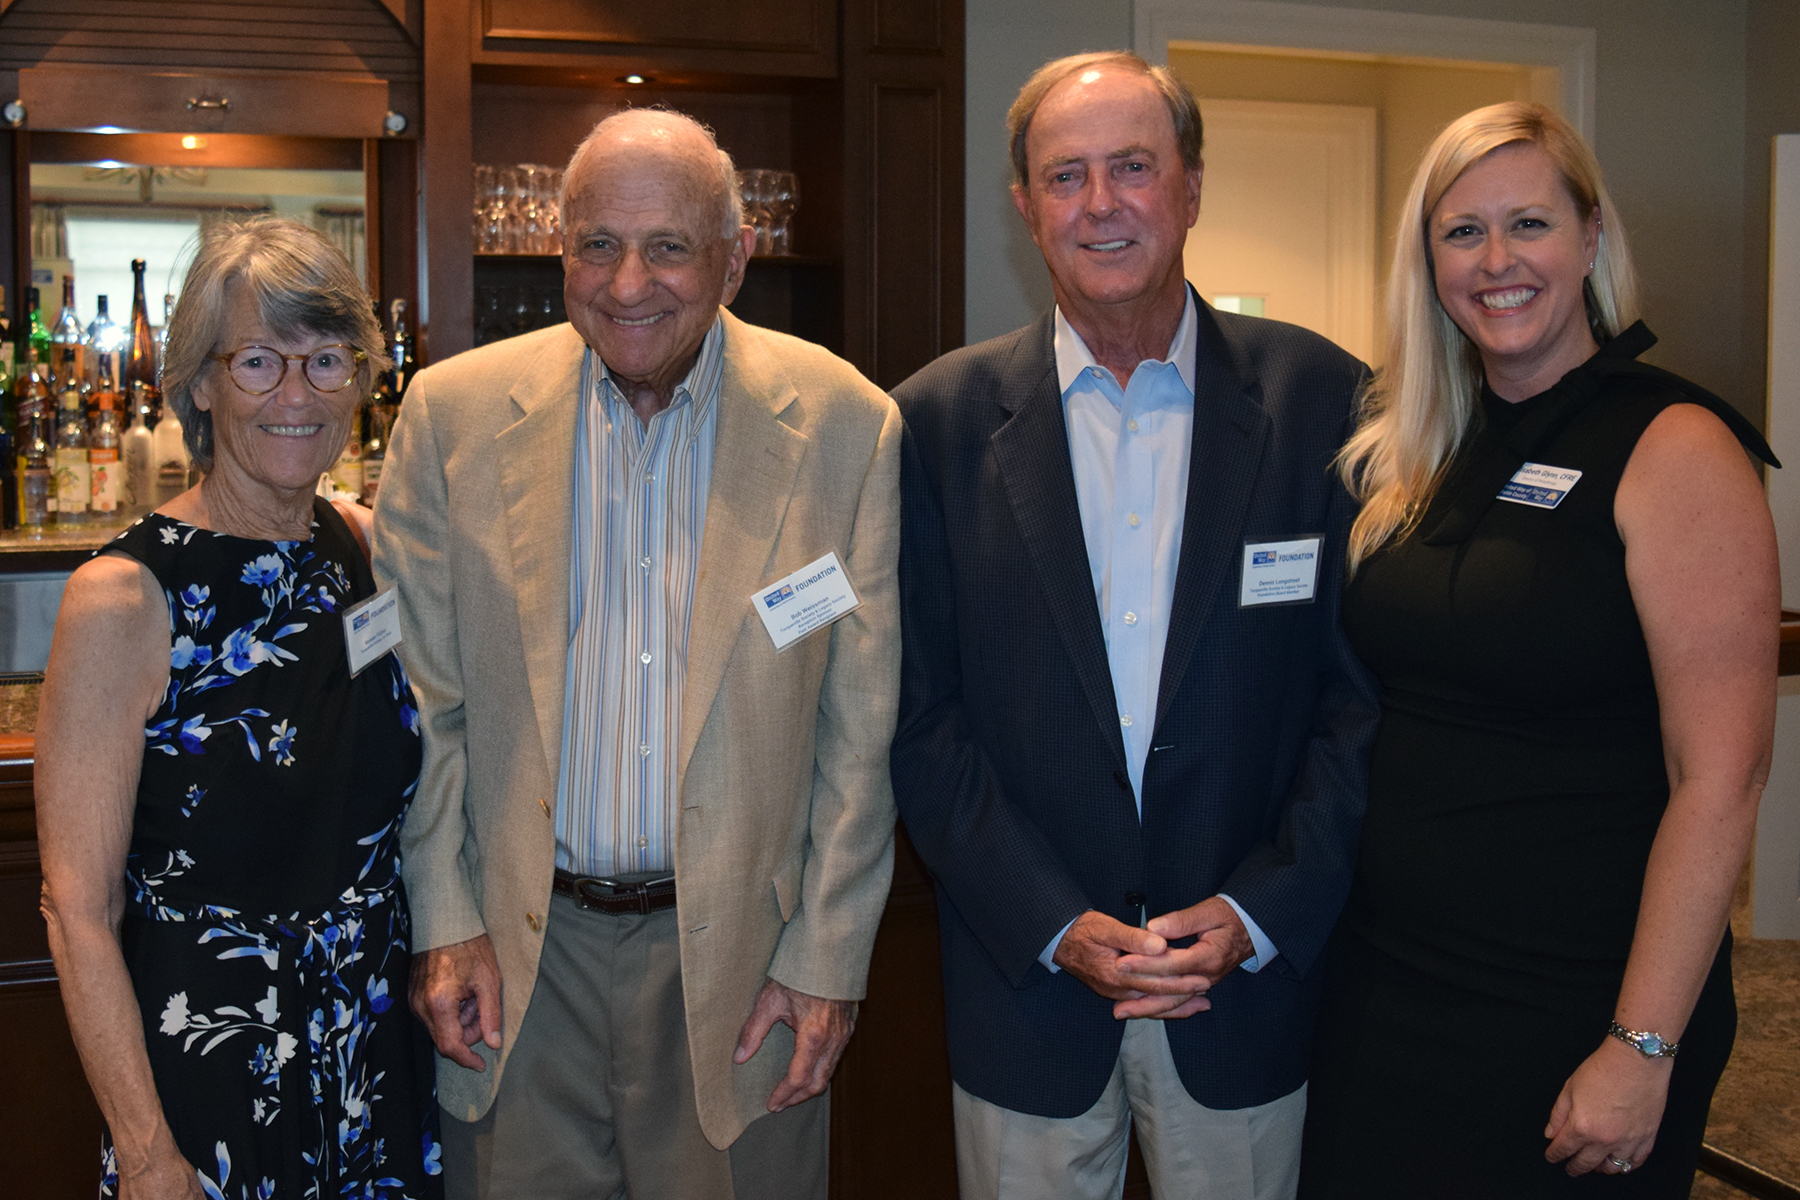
column 782, row 37
column 296, row 104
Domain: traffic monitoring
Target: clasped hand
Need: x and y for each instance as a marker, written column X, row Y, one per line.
column 1138, row 968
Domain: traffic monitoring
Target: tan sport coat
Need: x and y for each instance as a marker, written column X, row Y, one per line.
column 784, row 843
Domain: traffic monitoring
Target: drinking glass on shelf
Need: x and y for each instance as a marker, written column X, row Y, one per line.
column 550, row 181
column 782, row 199
column 489, row 210
column 756, row 186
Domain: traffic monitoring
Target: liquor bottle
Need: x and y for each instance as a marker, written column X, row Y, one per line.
column 105, row 339
column 402, row 349
column 137, row 452
column 6, row 350
column 37, row 451
column 69, row 335
column 141, row 358
column 38, row 335
column 169, row 457
column 72, row 483
column 104, row 468
column 162, row 351
column 347, row 472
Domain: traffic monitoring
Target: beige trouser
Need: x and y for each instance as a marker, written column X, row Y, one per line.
column 1191, row 1152
column 597, row 1102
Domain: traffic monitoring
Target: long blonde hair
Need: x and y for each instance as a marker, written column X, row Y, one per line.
column 1419, row 406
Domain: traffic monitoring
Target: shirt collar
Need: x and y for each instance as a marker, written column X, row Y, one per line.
column 1073, row 356
column 700, row 385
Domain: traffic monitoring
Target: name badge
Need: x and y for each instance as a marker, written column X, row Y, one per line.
column 372, row 628
column 1280, row 572
column 809, row 599
column 1539, row 486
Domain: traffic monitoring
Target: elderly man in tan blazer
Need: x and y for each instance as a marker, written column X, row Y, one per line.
column 650, row 844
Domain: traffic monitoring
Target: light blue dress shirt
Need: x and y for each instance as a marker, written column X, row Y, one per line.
column 1129, row 448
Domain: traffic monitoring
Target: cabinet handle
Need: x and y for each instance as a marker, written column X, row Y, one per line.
column 197, row 102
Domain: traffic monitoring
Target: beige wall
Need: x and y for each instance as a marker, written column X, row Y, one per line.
column 1412, row 101
column 1686, row 98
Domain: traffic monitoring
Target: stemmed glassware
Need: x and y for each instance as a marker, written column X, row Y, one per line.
column 770, row 198
column 515, row 209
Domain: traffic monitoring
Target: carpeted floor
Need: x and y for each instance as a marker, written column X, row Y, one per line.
column 1756, row 1111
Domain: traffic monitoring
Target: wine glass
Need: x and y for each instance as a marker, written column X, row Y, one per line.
column 782, row 198
column 756, row 186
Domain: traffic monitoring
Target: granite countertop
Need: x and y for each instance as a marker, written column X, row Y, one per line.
column 19, row 704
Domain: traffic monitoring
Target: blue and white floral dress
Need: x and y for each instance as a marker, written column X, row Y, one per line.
column 266, row 929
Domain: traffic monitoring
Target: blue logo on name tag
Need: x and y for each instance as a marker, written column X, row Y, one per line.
column 1262, row 558
column 784, row 592
column 358, row 621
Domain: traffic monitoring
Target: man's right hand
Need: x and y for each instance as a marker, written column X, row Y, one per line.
column 1091, row 950
column 455, row 991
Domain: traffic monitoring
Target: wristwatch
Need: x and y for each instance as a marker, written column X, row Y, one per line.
column 1650, row 1045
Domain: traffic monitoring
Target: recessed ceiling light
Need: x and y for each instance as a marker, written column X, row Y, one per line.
column 190, row 142
column 634, row 78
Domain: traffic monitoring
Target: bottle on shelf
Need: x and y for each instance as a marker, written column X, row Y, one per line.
column 104, row 467
column 169, row 458
column 67, row 335
column 37, row 333
column 104, row 337
column 72, row 482
column 6, row 348
column 37, row 452
column 141, row 357
column 137, row 451
column 34, row 438
column 402, row 349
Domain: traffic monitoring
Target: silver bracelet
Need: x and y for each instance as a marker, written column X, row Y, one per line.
column 1650, row 1045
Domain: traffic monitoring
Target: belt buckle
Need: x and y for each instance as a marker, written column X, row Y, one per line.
column 638, row 894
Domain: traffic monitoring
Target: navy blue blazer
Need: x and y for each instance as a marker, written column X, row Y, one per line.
column 1008, row 764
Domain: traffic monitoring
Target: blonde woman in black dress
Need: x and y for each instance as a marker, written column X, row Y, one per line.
column 1565, row 579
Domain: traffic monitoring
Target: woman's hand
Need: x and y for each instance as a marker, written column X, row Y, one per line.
column 167, row 1176
column 1609, row 1110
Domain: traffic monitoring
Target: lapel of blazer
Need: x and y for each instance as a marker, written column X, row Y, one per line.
column 756, row 460
column 537, row 486
column 1031, row 452
column 1230, row 432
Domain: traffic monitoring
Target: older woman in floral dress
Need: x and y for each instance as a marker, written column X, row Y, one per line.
column 221, row 781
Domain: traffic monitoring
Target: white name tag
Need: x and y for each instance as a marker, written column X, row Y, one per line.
column 809, row 599
column 1280, row 572
column 1539, row 486
column 372, row 628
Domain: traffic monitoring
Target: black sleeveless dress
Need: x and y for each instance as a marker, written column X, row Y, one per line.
column 1516, row 785
column 265, row 926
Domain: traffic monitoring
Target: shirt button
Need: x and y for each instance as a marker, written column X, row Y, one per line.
column 531, row 922
column 644, row 562
column 1132, row 425
column 1131, row 519
column 1131, row 618
column 644, row 749
column 644, row 658
column 1125, row 720
column 642, row 842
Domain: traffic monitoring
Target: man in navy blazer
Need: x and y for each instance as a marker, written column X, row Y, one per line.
column 1132, row 736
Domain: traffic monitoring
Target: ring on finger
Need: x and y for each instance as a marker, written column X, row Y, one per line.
column 1623, row 1164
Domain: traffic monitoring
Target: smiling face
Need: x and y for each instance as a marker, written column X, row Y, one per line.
column 645, row 265
column 1106, row 197
column 1511, row 251
column 281, row 441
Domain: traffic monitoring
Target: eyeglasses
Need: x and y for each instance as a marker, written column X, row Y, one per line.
column 259, row 370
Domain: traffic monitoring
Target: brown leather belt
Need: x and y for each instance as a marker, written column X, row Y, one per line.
column 615, row 896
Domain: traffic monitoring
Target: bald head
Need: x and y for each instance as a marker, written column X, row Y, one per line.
column 637, row 139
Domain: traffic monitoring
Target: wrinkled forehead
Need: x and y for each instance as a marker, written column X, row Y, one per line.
column 1100, row 111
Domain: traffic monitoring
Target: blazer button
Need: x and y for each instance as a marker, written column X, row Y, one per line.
column 531, row 922
column 1134, row 899
column 545, row 805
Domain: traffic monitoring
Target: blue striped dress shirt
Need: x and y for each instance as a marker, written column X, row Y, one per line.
column 640, row 513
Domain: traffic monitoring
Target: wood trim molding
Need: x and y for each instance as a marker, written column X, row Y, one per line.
column 1567, row 49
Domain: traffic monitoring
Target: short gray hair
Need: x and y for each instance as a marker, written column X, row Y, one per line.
column 1184, row 110
column 303, row 284
column 730, row 197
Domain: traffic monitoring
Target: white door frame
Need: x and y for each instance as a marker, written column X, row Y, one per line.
column 1569, row 50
